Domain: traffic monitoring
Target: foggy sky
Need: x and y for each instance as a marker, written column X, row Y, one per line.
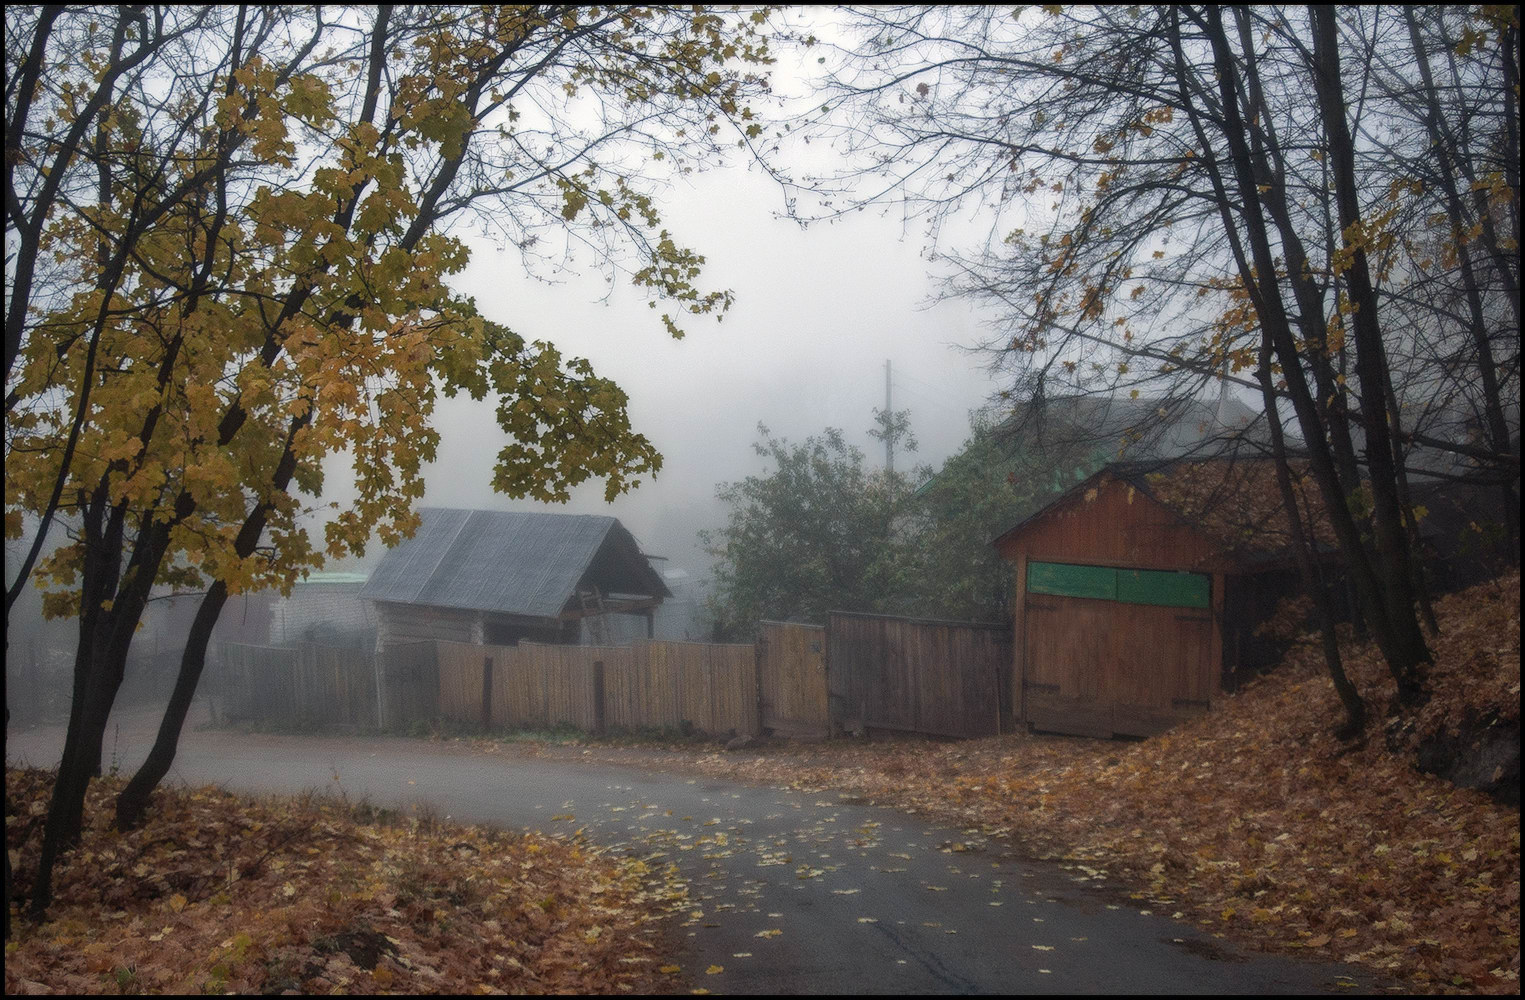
column 817, row 313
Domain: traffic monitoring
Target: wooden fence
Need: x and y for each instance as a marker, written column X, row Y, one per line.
column 940, row 678
column 313, row 685
column 408, row 675
column 859, row 671
column 710, row 687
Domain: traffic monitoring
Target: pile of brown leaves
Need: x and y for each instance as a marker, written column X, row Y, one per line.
column 1254, row 821
column 222, row 894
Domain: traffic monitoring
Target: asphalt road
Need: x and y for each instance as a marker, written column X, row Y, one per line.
column 794, row 892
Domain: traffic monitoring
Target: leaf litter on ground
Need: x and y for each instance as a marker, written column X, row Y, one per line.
column 217, row 893
column 1253, row 821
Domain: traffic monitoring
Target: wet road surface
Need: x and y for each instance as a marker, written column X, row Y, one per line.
column 792, row 892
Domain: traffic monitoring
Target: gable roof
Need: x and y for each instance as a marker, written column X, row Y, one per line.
column 1235, row 503
column 525, row 563
column 1238, row 503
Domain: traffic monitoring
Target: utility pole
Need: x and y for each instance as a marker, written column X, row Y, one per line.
column 889, row 415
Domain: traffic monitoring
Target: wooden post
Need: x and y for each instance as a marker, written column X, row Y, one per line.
column 1019, row 644
column 486, row 692
column 759, row 650
column 378, row 668
column 995, row 679
column 1215, row 646
column 598, row 696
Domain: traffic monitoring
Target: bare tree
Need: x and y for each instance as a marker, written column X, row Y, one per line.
column 1173, row 190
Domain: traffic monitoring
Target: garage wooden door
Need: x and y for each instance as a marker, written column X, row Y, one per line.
column 1115, row 651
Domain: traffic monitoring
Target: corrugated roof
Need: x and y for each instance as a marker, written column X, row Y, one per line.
column 509, row 562
column 332, row 579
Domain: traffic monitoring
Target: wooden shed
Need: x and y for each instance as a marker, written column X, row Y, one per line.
column 1137, row 593
column 499, row 577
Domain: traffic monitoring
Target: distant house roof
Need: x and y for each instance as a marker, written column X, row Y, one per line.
column 1142, row 428
column 528, row 564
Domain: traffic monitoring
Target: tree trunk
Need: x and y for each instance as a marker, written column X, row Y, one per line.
column 133, row 799
column 1399, row 634
column 105, row 638
column 1302, row 547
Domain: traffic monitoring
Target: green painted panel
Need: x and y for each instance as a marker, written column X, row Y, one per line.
column 1164, row 588
column 1067, row 580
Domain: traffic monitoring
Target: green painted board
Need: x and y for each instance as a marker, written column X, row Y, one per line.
column 1164, row 588
column 1068, row 580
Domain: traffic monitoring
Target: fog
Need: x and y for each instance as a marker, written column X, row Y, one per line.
column 818, row 312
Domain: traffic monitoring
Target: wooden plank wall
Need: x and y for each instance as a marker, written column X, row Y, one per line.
column 1099, row 668
column 336, row 685
column 255, row 683
column 460, row 680
column 641, row 689
column 862, row 670
column 940, row 678
column 306, row 685
column 647, row 684
column 718, row 686
column 544, row 685
column 791, row 666
column 409, row 678
column 665, row 684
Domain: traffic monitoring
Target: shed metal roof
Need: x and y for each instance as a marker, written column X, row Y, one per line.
column 511, row 562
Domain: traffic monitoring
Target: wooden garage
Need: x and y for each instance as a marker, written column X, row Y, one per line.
column 1138, row 591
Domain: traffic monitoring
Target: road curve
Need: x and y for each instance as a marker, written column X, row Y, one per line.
column 793, row 892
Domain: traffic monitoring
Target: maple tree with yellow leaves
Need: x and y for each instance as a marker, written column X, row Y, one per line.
column 232, row 261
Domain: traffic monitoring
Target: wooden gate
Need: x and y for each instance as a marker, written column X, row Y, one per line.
column 791, row 666
column 940, row 678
